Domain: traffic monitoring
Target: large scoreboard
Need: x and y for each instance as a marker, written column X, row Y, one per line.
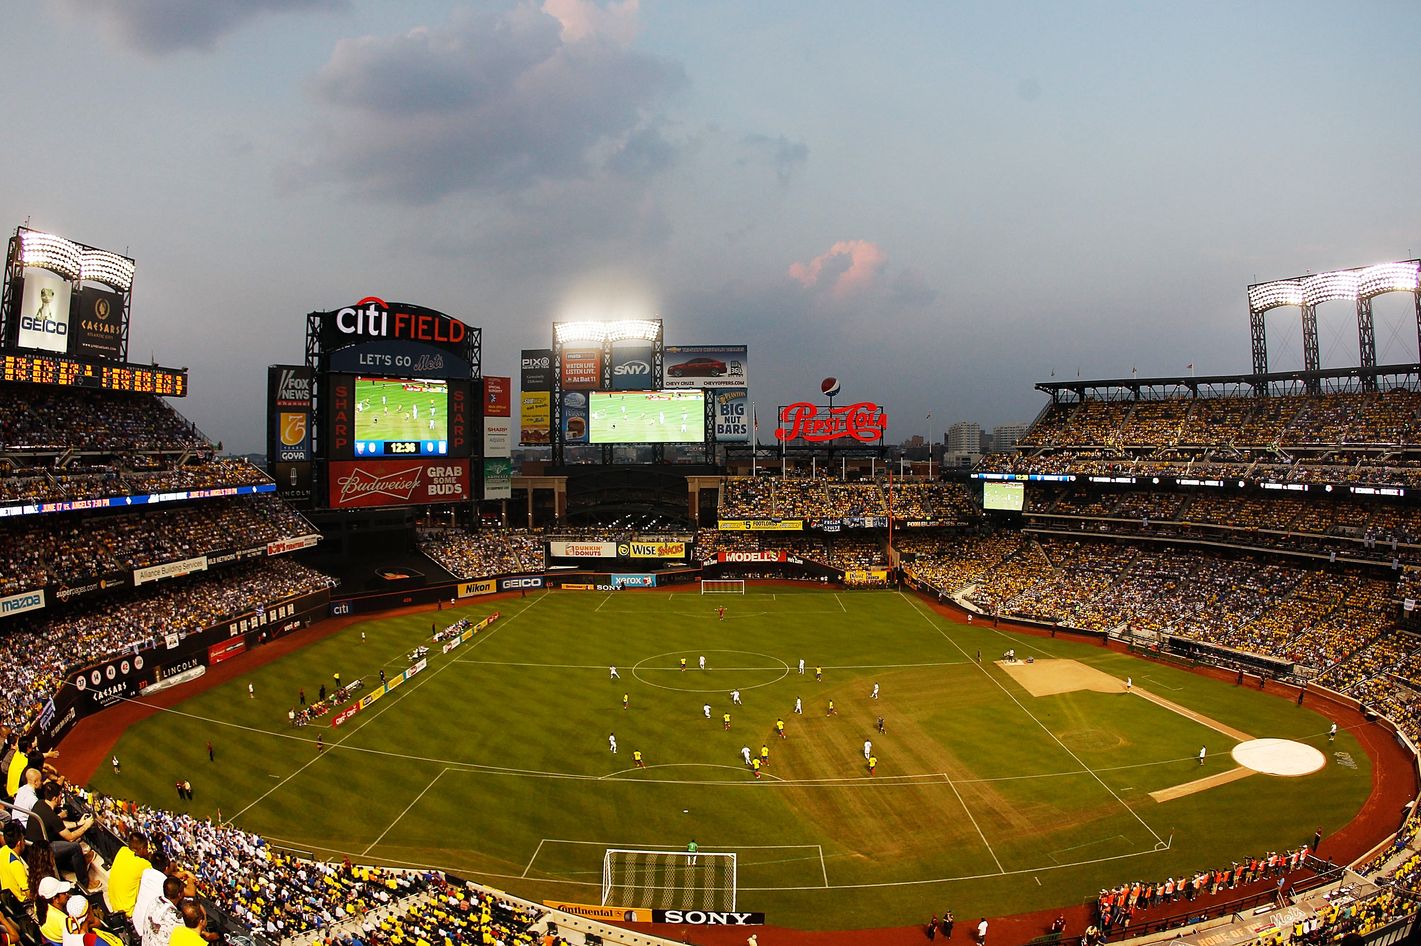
column 70, row 372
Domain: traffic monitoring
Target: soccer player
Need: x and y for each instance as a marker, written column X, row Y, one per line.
column 798, row 706
column 691, row 851
column 745, row 754
column 801, row 666
column 867, row 748
column 612, row 742
column 703, row 661
column 832, row 711
column 1203, row 751
column 626, row 699
column 764, row 755
column 1129, row 684
column 872, row 764
column 251, row 692
column 115, row 765
column 755, row 767
column 706, row 709
column 415, row 407
column 615, row 675
column 683, row 664
column 881, row 728
column 725, row 722
column 874, row 694
column 320, row 743
column 636, row 757
column 818, row 674
column 1331, row 735
column 780, row 728
column 735, row 698
column 721, row 612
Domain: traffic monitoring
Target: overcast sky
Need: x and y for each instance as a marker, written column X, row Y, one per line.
column 938, row 203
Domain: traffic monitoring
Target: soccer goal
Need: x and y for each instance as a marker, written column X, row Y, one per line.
column 668, row 880
column 722, row 586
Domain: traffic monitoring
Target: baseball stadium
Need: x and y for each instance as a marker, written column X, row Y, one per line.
column 1153, row 673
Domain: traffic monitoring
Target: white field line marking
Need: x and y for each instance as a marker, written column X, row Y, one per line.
column 357, row 727
column 533, row 858
column 605, row 599
column 1066, row 749
column 1076, row 847
column 823, row 868
column 401, row 815
column 973, row 819
column 841, row 603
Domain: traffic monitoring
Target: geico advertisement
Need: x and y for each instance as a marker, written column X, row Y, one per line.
column 44, row 311
column 397, row 482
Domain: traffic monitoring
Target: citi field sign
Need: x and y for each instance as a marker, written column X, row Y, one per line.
column 373, row 318
column 865, row 422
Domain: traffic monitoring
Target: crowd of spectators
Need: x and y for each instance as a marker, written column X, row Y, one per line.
column 64, row 550
column 36, row 653
column 486, row 552
column 451, row 914
column 1348, row 437
column 821, row 497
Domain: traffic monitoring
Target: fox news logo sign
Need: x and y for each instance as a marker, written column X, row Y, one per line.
column 293, row 386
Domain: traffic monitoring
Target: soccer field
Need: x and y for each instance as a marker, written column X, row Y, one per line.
column 495, row 762
column 401, row 410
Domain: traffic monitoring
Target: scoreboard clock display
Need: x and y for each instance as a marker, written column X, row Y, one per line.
column 142, row 379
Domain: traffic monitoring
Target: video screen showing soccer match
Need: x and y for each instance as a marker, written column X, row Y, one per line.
column 647, row 417
column 1007, row 496
column 401, row 417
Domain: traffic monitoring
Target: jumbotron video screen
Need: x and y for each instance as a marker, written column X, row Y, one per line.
column 647, row 417
column 401, row 417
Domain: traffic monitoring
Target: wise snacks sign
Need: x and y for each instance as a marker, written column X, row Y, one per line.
column 864, row 421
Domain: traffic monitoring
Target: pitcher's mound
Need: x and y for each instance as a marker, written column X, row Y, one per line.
column 1278, row 757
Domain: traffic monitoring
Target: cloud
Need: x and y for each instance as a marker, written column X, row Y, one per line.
column 785, row 156
column 159, row 27
column 491, row 101
column 848, row 268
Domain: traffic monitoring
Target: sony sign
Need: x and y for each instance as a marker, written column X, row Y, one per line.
column 708, row 917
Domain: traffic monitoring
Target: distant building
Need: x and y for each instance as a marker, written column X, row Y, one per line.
column 1005, row 436
column 964, row 444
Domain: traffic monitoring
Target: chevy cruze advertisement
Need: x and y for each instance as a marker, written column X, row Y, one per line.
column 705, row 366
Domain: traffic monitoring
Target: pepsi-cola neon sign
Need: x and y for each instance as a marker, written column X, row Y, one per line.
column 865, row 422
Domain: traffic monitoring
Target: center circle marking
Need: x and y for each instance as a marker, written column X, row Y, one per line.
column 691, row 668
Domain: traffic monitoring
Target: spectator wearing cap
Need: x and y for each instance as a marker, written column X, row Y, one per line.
column 82, row 928
column 47, row 825
column 55, row 895
column 14, row 873
column 126, row 873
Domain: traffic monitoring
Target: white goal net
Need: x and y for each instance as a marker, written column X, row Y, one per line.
column 722, row 586
column 668, row 880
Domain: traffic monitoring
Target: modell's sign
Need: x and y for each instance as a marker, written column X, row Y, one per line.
column 397, row 482
column 769, row 555
column 865, row 422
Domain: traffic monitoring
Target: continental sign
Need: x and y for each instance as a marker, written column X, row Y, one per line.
column 761, row 525
column 606, row 914
column 651, row 550
column 471, row 589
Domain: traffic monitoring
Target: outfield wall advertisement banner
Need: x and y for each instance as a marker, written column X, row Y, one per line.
column 365, row 483
column 652, row 550
column 607, row 914
column 732, row 416
column 582, row 549
column 535, row 419
column 632, row 581
column 704, row 366
column 22, row 602
column 761, row 525
column 769, row 555
column 473, row 589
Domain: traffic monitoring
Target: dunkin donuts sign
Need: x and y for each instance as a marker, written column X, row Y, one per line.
column 365, row 483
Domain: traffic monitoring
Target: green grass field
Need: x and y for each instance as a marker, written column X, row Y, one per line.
column 400, row 410
column 494, row 762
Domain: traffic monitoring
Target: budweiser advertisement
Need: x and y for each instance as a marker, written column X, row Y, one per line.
column 397, row 482
column 864, row 421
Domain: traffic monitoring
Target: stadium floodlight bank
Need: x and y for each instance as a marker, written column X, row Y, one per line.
column 722, row 586
column 668, row 880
